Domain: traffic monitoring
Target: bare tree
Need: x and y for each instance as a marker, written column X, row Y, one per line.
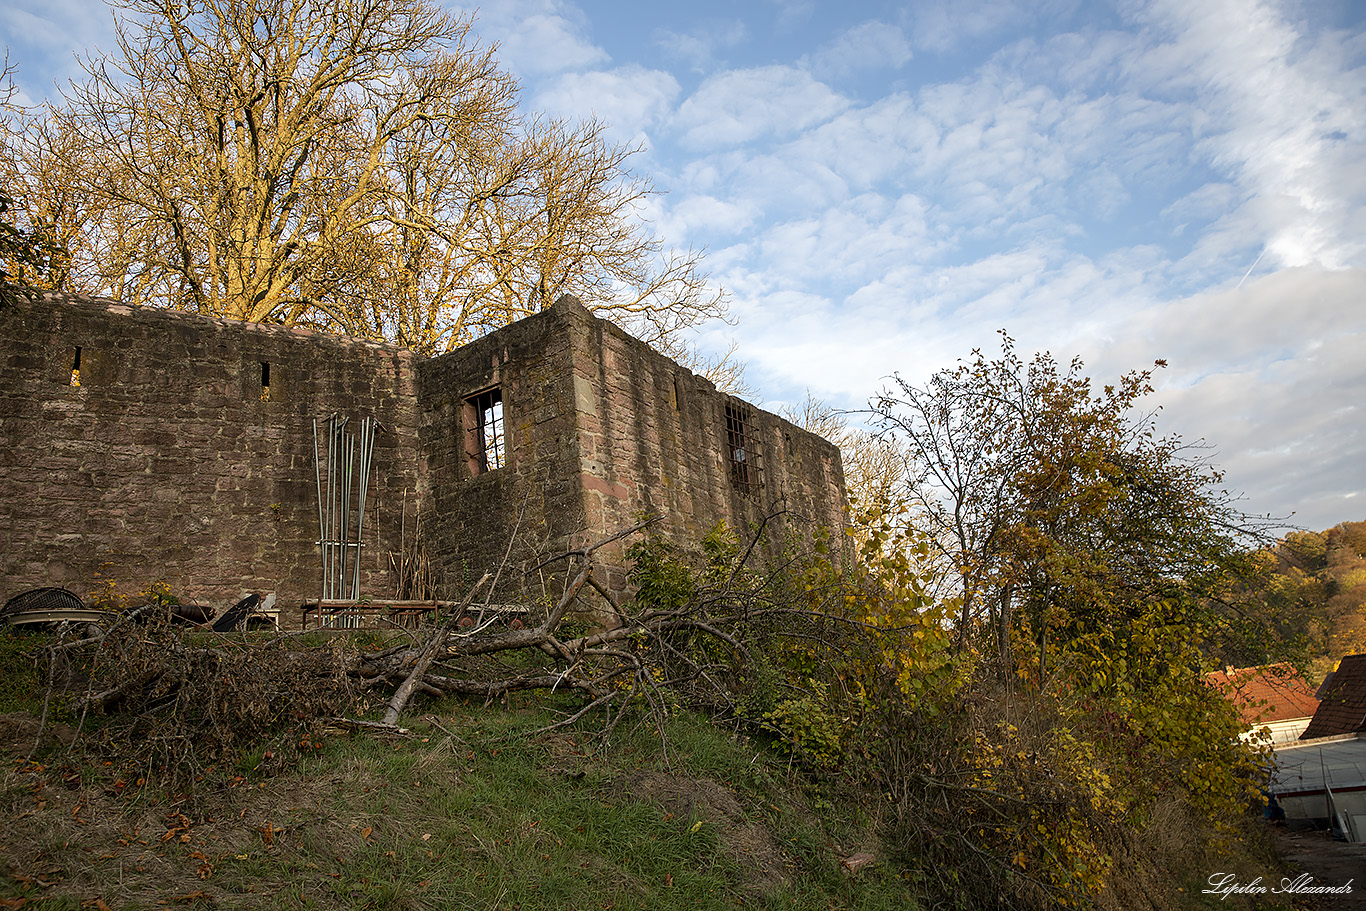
column 874, row 464
column 955, row 475
column 358, row 166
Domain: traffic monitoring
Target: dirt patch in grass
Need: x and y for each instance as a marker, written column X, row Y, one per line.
column 65, row 838
column 19, row 731
column 762, row 864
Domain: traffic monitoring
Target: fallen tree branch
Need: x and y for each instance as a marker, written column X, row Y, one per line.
column 378, row 727
column 424, row 660
column 208, row 699
column 491, row 689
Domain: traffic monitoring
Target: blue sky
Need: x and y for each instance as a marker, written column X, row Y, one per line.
column 882, row 186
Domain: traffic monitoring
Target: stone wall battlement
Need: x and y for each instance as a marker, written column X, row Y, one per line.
column 148, row 445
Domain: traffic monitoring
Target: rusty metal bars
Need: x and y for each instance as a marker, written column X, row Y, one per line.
column 342, row 475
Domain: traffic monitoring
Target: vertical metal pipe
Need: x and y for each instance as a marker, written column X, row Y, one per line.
column 367, row 438
column 360, row 508
column 327, row 518
column 348, row 552
column 331, row 503
column 337, row 496
column 369, row 466
column 322, row 537
column 344, row 577
column 332, row 518
column 344, row 494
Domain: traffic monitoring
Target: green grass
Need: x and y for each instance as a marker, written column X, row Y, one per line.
column 471, row 811
column 24, row 671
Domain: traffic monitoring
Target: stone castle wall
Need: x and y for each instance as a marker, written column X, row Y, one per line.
column 532, row 506
column 165, row 463
column 168, row 463
column 657, row 439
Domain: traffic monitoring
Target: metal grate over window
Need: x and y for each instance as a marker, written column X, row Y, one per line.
column 487, row 446
column 739, row 449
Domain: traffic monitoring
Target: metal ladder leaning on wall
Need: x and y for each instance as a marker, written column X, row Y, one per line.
column 342, row 472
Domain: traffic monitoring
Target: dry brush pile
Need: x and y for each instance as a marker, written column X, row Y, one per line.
column 174, row 700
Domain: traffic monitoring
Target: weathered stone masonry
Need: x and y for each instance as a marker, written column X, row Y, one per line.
column 168, row 463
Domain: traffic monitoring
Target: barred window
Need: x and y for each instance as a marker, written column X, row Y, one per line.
column 485, row 438
column 739, row 449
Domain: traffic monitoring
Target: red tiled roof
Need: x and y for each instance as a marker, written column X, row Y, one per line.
column 1264, row 694
column 1343, row 708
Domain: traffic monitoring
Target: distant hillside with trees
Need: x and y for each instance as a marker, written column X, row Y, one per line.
column 1312, row 587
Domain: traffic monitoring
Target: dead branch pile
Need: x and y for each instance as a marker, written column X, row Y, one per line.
column 641, row 652
column 157, row 696
column 177, row 700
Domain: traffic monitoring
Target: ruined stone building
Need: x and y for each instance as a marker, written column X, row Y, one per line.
column 143, row 444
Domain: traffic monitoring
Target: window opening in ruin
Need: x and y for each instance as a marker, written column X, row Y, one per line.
column 75, row 367
column 485, row 437
column 673, row 391
column 265, row 381
column 738, row 447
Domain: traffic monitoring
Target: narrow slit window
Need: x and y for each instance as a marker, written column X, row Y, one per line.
column 485, row 434
column 75, row 367
column 265, row 381
column 739, row 450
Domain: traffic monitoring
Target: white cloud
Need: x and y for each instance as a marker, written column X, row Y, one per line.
column 40, row 36
column 863, row 149
column 538, row 37
column 631, row 99
column 945, row 25
column 868, row 46
column 1284, row 116
column 699, row 47
column 995, row 152
column 699, row 215
column 1139, row 139
column 1288, row 312
column 866, row 236
column 911, row 318
column 741, row 106
column 1093, row 59
column 778, row 184
column 22, row 25
column 792, row 13
column 1203, row 204
column 1271, row 375
column 869, row 145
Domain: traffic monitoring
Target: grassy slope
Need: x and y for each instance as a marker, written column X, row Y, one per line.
column 469, row 812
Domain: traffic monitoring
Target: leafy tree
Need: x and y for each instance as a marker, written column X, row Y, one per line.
column 1344, row 577
column 360, row 167
column 1095, row 560
column 1309, row 591
column 1306, row 550
column 1056, row 505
